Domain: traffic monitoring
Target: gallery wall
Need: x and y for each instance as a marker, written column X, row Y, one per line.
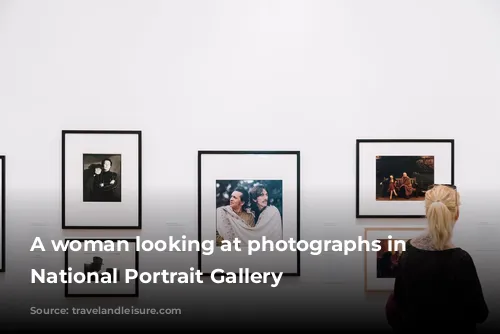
column 308, row 76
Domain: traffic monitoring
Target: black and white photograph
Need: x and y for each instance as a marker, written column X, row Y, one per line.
column 245, row 196
column 96, row 266
column 101, row 179
column 2, row 213
column 392, row 176
column 102, row 267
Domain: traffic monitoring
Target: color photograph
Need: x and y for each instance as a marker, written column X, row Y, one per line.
column 403, row 177
column 249, row 209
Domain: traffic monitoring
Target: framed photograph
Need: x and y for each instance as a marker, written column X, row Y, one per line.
column 104, row 263
column 249, row 195
column 101, row 179
column 2, row 213
column 380, row 266
column 392, row 176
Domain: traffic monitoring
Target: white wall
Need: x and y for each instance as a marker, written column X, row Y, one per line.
column 301, row 75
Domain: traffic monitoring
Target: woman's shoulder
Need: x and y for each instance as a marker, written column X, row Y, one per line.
column 463, row 255
column 423, row 246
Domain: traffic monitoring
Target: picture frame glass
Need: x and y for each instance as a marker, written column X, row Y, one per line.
column 268, row 180
column 393, row 176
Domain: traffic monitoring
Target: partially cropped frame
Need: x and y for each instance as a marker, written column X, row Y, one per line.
column 380, row 266
column 101, row 179
column 114, row 264
column 2, row 213
column 393, row 175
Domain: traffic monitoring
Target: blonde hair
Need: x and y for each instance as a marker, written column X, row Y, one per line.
column 441, row 210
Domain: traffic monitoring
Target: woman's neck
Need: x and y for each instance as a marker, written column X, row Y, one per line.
column 425, row 242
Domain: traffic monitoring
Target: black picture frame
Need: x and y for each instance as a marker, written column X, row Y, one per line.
column 2, row 216
column 360, row 142
column 295, row 153
column 66, row 133
column 79, row 295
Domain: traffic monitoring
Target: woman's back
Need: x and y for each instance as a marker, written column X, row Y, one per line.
column 438, row 289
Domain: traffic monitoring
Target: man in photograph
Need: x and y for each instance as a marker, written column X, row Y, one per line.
column 266, row 219
column 236, row 210
column 239, row 203
column 405, row 187
column 105, row 183
column 267, row 216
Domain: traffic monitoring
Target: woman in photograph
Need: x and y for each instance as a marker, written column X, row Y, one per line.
column 436, row 286
column 392, row 187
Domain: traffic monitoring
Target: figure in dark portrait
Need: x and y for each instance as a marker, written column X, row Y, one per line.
column 101, row 183
column 106, row 183
column 95, row 267
column 385, row 265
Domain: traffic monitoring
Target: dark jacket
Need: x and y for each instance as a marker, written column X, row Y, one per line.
column 436, row 290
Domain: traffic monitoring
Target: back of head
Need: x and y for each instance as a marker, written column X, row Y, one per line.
column 441, row 209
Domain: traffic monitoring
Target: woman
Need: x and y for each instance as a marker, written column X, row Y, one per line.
column 392, row 187
column 436, row 286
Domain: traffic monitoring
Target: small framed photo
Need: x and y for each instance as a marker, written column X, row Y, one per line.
column 2, row 213
column 392, row 176
column 380, row 266
column 101, row 179
column 249, row 195
column 105, row 269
